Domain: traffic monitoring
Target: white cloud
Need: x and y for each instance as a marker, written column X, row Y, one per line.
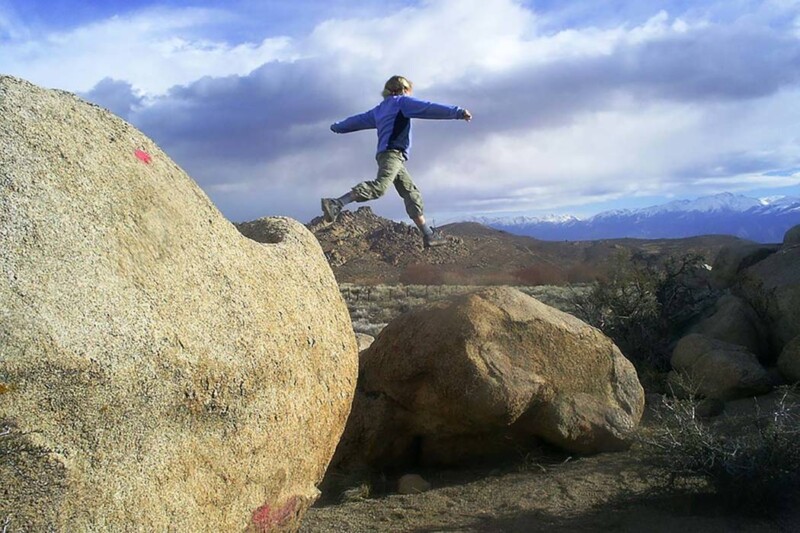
column 437, row 42
column 446, row 40
column 153, row 50
column 662, row 148
column 563, row 115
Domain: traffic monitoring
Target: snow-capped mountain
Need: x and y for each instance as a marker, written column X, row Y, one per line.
column 762, row 220
column 520, row 220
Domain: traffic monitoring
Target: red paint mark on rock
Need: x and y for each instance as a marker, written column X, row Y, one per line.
column 143, row 156
column 265, row 518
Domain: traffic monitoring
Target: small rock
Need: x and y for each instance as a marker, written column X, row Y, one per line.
column 364, row 341
column 412, row 484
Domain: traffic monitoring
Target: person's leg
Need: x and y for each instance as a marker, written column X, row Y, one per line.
column 388, row 165
column 414, row 207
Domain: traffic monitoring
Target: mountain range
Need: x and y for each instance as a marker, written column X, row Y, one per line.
column 757, row 219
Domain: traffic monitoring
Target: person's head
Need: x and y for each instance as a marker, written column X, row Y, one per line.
column 396, row 86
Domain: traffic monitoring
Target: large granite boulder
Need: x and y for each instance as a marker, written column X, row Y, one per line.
column 715, row 369
column 792, row 236
column 732, row 259
column 481, row 374
column 734, row 321
column 789, row 361
column 158, row 370
column 772, row 287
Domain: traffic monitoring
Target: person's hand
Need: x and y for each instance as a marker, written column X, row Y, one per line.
column 467, row 115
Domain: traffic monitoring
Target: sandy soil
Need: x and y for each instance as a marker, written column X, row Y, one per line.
column 609, row 492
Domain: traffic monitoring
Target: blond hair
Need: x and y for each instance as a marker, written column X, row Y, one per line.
column 395, row 86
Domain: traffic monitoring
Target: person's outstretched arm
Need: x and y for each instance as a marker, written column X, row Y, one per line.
column 414, row 108
column 364, row 121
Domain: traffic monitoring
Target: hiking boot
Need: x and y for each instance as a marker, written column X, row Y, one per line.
column 433, row 240
column 331, row 207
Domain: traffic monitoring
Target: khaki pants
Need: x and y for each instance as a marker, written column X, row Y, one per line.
column 391, row 169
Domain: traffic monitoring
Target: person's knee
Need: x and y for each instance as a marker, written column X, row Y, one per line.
column 369, row 190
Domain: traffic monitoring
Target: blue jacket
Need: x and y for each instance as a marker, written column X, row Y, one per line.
column 392, row 119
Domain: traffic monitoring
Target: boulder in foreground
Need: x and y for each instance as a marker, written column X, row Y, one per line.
column 158, row 370
column 483, row 374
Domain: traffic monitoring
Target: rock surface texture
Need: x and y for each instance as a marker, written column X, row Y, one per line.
column 472, row 376
column 756, row 321
column 772, row 287
column 789, row 361
column 158, row 370
column 792, row 236
column 717, row 369
column 734, row 258
column 734, row 321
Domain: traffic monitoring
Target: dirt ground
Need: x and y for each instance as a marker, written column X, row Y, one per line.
column 609, row 492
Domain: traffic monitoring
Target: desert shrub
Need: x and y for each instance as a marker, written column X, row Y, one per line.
column 752, row 464
column 367, row 327
column 372, row 307
column 582, row 273
column 642, row 304
column 422, row 274
column 466, row 277
column 540, row 274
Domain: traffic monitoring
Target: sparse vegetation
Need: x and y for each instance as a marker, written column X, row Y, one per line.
column 373, row 306
column 752, row 464
column 642, row 304
column 359, row 492
column 541, row 274
column 749, row 464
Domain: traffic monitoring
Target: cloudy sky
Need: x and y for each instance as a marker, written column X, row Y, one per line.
column 579, row 106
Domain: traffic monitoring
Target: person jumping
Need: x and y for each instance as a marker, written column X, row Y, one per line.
column 392, row 118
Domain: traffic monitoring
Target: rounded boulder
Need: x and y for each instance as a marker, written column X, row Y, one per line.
column 467, row 375
column 158, row 370
column 715, row 369
column 772, row 287
column 789, row 361
column 792, row 236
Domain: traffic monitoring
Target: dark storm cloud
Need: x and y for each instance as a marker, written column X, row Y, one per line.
column 715, row 64
column 225, row 130
column 262, row 115
column 730, row 164
column 246, row 117
column 115, row 95
column 701, row 66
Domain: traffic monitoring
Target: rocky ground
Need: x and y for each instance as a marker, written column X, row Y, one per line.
column 608, row 492
column 367, row 249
